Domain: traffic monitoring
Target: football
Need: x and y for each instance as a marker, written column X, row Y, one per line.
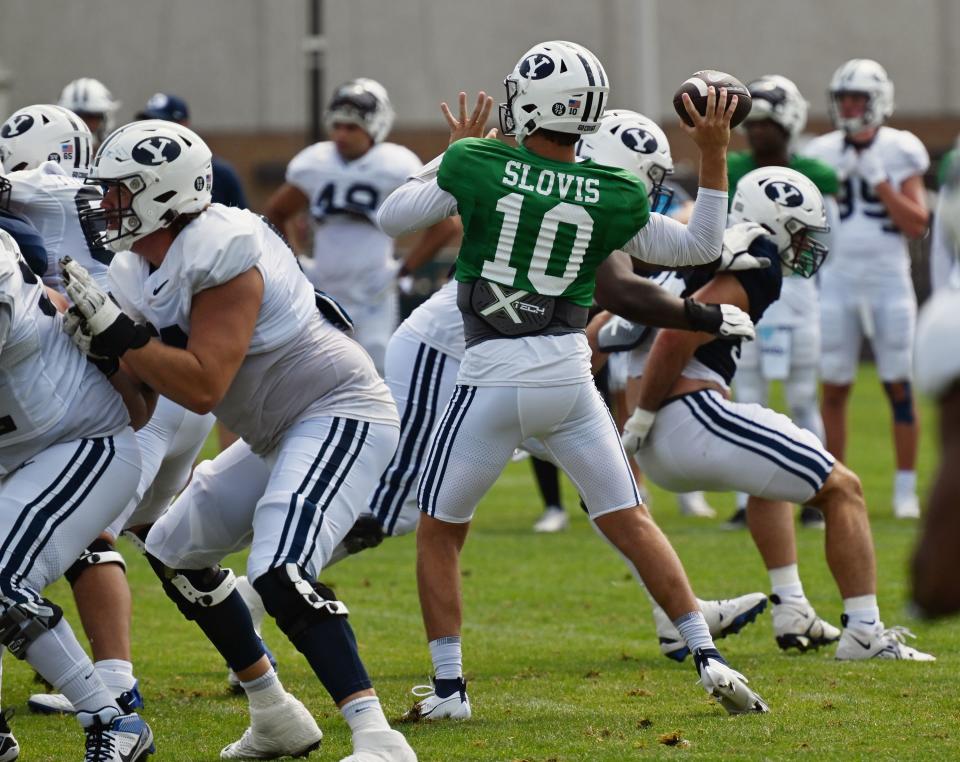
column 696, row 86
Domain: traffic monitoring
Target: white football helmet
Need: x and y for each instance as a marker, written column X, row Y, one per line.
column 164, row 166
column 778, row 99
column 558, row 86
column 88, row 97
column 40, row 133
column 866, row 77
column 791, row 208
column 630, row 141
column 363, row 102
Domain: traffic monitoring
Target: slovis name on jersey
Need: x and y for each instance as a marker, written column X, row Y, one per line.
column 585, row 190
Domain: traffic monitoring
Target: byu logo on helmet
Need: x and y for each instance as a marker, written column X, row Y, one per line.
column 17, row 125
column 536, row 66
column 154, row 151
column 639, row 140
column 783, row 193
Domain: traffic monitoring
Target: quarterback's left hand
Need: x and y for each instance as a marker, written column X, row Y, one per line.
column 636, row 430
column 472, row 126
column 870, row 168
column 111, row 331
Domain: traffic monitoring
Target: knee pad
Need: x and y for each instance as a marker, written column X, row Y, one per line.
column 901, row 400
column 194, row 590
column 98, row 552
column 295, row 602
column 23, row 623
column 366, row 532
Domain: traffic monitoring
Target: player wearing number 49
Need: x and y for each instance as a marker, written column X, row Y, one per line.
column 550, row 223
column 865, row 286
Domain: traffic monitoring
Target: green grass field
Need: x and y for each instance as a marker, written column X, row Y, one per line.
column 560, row 649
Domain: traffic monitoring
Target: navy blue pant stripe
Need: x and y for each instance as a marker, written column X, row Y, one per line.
column 448, row 448
column 440, row 438
column 328, row 492
column 763, row 453
column 292, row 510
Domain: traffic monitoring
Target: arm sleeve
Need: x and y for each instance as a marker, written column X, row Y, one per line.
column 415, row 205
column 664, row 241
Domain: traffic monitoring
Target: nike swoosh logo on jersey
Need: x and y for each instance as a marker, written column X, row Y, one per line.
column 157, row 289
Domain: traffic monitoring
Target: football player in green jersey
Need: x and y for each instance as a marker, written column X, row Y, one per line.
column 537, row 224
column 788, row 340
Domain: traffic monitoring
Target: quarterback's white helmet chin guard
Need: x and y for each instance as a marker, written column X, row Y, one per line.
column 791, row 208
column 90, row 97
column 160, row 169
column 363, row 102
column 630, row 141
column 557, row 85
column 36, row 134
column 865, row 77
column 778, row 99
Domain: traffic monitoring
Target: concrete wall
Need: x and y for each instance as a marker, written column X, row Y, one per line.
column 240, row 64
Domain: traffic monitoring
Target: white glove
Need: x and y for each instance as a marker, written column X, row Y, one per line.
column 736, row 242
column 636, row 429
column 736, row 324
column 870, row 168
column 405, row 284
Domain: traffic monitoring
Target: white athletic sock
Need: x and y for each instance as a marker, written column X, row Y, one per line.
column 265, row 690
column 862, row 611
column 447, row 657
column 117, row 674
column 694, row 629
column 785, row 583
column 63, row 663
column 905, row 483
column 364, row 713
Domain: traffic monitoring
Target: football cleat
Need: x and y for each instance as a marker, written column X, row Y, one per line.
column 796, row 625
column 57, row 703
column 9, row 748
column 857, row 643
column 286, row 729
column 453, row 704
column 724, row 617
column 737, row 521
column 552, row 520
column 695, row 504
column 725, row 684
column 125, row 738
column 906, row 506
column 380, row 746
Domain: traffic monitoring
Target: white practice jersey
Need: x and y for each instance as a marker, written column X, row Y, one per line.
column 866, row 246
column 438, row 322
column 298, row 365
column 51, row 199
column 937, row 358
column 49, row 392
column 353, row 258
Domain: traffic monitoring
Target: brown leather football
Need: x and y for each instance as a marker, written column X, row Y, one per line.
column 697, row 86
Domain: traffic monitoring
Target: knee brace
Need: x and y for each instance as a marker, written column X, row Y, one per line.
column 901, row 400
column 194, row 590
column 366, row 532
column 98, row 552
column 23, row 623
column 295, row 602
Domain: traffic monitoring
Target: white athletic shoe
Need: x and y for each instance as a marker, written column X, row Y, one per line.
column 906, row 506
column 695, row 504
column 456, row 706
column 125, row 738
column 380, row 746
column 284, row 729
column 725, row 684
column 858, row 643
column 9, row 748
column 796, row 625
column 724, row 617
column 552, row 520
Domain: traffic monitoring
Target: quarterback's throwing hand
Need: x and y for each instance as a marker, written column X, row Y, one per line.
column 471, row 126
column 636, row 429
column 711, row 131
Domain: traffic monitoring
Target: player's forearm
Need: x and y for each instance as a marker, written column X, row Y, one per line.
column 640, row 301
column 908, row 215
column 669, row 355
column 664, row 241
column 178, row 375
column 139, row 399
column 713, row 169
column 433, row 240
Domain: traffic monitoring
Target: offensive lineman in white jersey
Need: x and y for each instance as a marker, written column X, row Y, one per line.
column 68, row 461
column 240, row 335
column 342, row 182
column 866, row 287
column 50, row 148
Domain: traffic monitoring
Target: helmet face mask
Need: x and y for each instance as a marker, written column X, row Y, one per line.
column 807, row 250
column 861, row 76
column 109, row 228
column 365, row 103
column 5, row 189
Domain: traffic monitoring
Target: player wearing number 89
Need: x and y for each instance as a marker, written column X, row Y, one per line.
column 548, row 223
column 866, row 287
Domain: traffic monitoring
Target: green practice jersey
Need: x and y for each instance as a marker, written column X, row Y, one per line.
column 819, row 172
column 943, row 168
column 536, row 224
